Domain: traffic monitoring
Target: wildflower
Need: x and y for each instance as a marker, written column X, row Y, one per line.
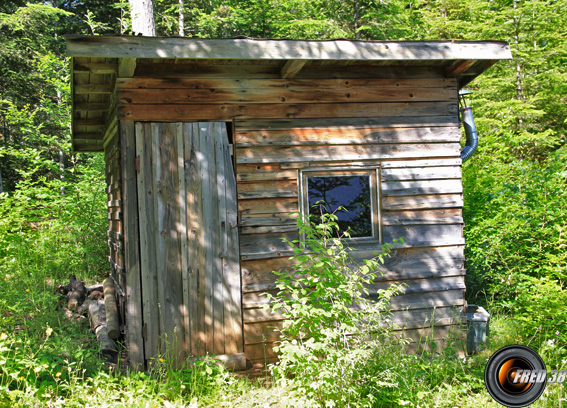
column 563, row 362
column 37, row 369
column 3, row 336
column 182, row 386
column 45, row 366
column 557, row 333
column 48, row 331
column 161, row 360
column 551, row 342
column 58, row 375
column 27, row 290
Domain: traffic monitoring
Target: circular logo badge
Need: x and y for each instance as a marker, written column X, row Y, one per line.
column 515, row 376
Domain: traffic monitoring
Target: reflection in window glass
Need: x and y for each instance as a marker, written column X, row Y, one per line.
column 327, row 193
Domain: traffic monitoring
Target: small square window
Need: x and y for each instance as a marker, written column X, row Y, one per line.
column 353, row 190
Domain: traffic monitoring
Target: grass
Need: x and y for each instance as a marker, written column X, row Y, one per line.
column 47, row 360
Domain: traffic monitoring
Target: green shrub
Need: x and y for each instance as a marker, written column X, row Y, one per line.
column 335, row 340
column 515, row 229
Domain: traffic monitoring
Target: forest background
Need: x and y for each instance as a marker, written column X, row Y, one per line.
column 52, row 200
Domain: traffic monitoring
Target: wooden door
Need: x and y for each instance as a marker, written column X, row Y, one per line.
column 190, row 272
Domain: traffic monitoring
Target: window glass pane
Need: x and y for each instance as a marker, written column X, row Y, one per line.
column 350, row 192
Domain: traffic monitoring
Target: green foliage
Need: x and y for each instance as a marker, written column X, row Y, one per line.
column 46, row 361
column 65, row 233
column 34, row 90
column 293, row 19
column 514, row 187
column 333, row 335
column 516, row 229
column 52, row 210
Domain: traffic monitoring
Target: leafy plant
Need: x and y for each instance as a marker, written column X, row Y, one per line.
column 515, row 230
column 336, row 328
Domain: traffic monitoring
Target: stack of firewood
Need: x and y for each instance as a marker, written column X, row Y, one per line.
column 99, row 303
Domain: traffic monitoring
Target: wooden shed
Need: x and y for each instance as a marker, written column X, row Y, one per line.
column 212, row 144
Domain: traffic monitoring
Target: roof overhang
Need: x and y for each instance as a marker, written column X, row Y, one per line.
column 252, row 49
column 97, row 61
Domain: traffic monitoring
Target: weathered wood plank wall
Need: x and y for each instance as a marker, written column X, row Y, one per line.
column 420, row 203
column 402, row 120
column 132, row 262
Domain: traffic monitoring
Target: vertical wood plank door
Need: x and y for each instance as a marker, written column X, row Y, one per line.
column 190, row 271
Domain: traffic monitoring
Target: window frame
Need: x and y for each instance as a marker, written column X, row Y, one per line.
column 373, row 172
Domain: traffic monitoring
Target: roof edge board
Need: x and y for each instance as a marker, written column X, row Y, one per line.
column 249, row 49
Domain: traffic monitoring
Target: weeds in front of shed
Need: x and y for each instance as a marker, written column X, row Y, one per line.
column 335, row 339
column 46, row 360
column 337, row 348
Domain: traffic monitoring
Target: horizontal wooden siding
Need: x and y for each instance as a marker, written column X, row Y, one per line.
column 421, row 200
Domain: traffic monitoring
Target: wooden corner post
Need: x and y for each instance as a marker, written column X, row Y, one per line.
column 134, row 334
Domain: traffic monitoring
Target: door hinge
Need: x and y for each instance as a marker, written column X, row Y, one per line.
column 137, row 164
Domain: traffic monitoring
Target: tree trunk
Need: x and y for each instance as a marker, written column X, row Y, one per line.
column 181, row 19
column 62, row 168
column 519, row 91
column 356, row 18
column 143, row 17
